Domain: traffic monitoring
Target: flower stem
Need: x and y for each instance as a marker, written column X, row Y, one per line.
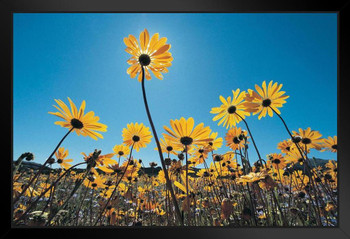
column 187, row 195
column 115, row 188
column 250, row 133
column 64, row 205
column 45, row 191
column 306, row 161
column 177, row 209
column 41, row 168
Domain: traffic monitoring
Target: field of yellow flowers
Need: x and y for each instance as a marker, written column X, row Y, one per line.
column 285, row 189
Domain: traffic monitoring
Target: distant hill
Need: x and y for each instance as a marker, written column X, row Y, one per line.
column 26, row 166
column 318, row 162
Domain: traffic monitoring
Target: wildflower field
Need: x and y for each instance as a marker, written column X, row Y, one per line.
column 196, row 185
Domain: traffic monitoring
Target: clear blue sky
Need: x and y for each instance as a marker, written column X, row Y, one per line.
column 82, row 56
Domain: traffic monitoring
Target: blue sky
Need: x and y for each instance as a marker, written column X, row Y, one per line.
column 82, row 56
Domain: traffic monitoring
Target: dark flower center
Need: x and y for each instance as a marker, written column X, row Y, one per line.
column 266, row 103
column 186, row 140
column 334, row 146
column 169, row 148
column 217, row 158
column 181, row 156
column 59, row 160
column 144, row 59
column 276, row 161
column 236, row 140
column 167, row 161
column 51, row 161
column 306, row 141
column 76, row 123
column 121, row 153
column 28, row 156
column 135, row 138
column 288, row 148
column 296, row 139
column 231, row 109
column 201, row 151
column 211, row 143
column 93, row 185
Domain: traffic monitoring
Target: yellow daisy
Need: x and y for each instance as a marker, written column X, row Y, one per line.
column 121, row 150
column 184, row 133
column 231, row 110
column 166, row 146
column 309, row 138
column 61, row 155
column 85, row 125
column 150, row 53
column 276, row 161
column 294, row 156
column 215, row 144
column 285, row 146
column 265, row 99
column 136, row 135
column 330, row 144
column 235, row 138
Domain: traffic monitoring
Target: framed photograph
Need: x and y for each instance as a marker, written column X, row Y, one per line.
column 185, row 119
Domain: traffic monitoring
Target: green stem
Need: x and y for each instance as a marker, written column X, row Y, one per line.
column 41, row 168
column 43, row 193
column 251, row 136
column 177, row 209
column 116, row 186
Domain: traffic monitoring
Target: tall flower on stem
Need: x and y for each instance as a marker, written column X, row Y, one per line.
column 231, row 112
column 183, row 135
column 151, row 55
column 267, row 100
column 133, row 134
column 74, row 120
